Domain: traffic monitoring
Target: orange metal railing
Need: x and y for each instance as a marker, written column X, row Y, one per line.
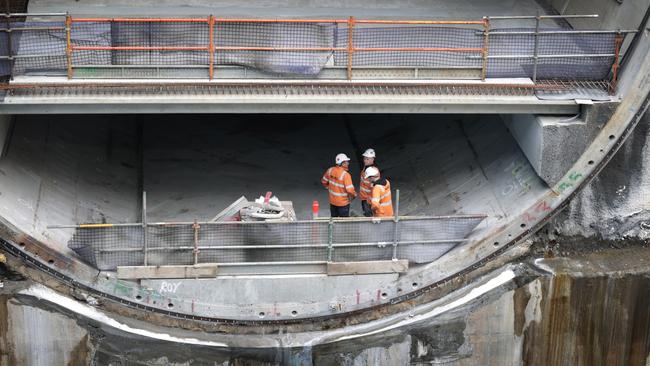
column 211, row 49
column 615, row 66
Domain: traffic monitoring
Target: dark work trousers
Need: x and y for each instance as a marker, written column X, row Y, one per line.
column 339, row 211
column 367, row 210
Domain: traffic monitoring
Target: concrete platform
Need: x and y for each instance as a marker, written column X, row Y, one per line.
column 95, row 96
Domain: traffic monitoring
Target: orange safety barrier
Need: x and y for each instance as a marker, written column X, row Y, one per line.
column 211, row 48
column 617, row 55
column 140, row 20
column 139, row 48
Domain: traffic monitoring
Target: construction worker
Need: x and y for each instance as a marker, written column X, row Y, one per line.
column 365, row 186
column 381, row 200
column 338, row 181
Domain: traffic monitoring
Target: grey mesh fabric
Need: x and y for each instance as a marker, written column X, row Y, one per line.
column 418, row 240
column 44, row 51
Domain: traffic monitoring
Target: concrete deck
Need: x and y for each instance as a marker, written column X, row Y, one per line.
column 279, row 96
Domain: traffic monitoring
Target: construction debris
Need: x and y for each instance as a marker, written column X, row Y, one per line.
column 264, row 208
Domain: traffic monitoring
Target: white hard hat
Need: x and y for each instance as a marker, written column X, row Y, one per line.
column 371, row 171
column 370, row 153
column 340, row 158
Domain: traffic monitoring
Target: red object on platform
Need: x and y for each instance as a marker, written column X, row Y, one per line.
column 314, row 208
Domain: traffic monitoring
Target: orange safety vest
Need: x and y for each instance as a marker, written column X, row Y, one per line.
column 365, row 186
column 381, row 202
column 339, row 183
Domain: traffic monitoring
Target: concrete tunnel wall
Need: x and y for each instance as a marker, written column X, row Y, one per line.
column 69, row 170
column 497, row 172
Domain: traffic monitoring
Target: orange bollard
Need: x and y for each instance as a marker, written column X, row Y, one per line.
column 314, row 210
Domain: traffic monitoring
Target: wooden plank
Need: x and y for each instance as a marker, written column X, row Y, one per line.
column 194, row 271
column 370, row 267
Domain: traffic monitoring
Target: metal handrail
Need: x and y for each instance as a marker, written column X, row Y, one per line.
column 211, row 48
column 21, row 29
column 537, row 33
column 193, row 245
column 279, row 246
column 577, row 55
column 352, row 23
column 581, row 31
column 554, row 16
column 21, row 15
column 320, row 221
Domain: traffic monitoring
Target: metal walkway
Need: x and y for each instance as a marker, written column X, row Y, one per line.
column 58, row 95
column 302, row 65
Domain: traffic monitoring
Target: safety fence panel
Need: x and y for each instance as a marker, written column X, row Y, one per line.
column 106, row 48
column 285, row 48
column 263, row 242
column 277, row 48
column 412, row 46
column 418, row 240
column 27, row 47
column 165, row 244
column 105, row 246
column 564, row 56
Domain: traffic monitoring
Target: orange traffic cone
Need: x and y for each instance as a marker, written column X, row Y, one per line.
column 314, row 210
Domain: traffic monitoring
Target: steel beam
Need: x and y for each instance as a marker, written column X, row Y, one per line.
column 120, row 105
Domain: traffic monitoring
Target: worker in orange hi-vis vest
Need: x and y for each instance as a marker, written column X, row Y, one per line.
column 365, row 186
column 338, row 182
column 381, row 201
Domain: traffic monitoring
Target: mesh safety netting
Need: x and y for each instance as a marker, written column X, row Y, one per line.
column 420, row 240
column 561, row 56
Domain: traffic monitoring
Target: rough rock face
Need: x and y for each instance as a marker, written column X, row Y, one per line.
column 616, row 204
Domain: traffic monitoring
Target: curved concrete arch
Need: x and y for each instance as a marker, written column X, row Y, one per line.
column 25, row 235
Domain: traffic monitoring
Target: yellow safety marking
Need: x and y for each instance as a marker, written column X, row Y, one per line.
column 92, row 226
